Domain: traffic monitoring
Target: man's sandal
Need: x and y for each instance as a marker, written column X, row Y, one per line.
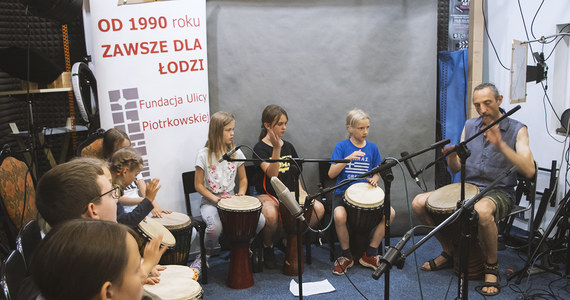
column 492, row 269
column 433, row 267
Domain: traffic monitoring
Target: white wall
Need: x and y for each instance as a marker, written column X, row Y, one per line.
column 505, row 24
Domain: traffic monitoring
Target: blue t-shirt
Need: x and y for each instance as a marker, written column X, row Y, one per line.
column 356, row 167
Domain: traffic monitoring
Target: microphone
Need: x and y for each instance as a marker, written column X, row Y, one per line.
column 228, row 154
column 411, row 168
column 287, row 198
column 392, row 256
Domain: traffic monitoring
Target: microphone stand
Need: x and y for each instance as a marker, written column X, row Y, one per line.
column 387, row 177
column 295, row 174
column 395, row 257
column 385, row 171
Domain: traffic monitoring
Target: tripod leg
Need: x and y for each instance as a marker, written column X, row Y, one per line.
column 562, row 207
column 567, row 270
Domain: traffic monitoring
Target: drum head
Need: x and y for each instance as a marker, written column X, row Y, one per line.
column 152, row 229
column 176, row 283
column 444, row 199
column 244, row 203
column 174, row 220
column 363, row 194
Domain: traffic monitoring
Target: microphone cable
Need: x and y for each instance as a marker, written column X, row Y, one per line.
column 302, row 179
column 410, row 220
column 304, row 185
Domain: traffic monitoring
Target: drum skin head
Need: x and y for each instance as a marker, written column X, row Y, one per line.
column 173, row 220
column 176, row 283
column 363, row 194
column 153, row 229
column 444, row 199
column 239, row 203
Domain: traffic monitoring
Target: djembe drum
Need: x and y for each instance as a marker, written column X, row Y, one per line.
column 180, row 227
column 176, row 283
column 148, row 229
column 441, row 204
column 291, row 264
column 364, row 205
column 239, row 216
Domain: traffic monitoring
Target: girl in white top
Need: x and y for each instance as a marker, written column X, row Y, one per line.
column 216, row 180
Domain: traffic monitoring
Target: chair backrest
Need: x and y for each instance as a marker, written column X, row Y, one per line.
column 250, row 173
column 324, row 179
column 93, row 145
column 12, row 274
column 188, row 185
column 17, row 195
column 28, row 240
column 526, row 186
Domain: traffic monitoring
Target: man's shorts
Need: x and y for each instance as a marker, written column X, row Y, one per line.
column 503, row 203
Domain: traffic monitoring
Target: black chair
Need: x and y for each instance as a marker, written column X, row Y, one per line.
column 198, row 223
column 92, row 146
column 28, row 239
column 250, row 173
column 324, row 182
column 13, row 273
column 527, row 187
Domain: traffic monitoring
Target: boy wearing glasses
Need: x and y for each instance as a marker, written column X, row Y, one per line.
column 81, row 188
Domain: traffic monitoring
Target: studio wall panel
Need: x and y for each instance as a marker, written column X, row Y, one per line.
column 319, row 59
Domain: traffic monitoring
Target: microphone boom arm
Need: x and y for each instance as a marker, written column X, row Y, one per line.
column 463, row 145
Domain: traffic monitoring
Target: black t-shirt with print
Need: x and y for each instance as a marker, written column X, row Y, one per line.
column 285, row 168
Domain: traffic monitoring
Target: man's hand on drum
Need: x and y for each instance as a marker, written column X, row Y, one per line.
column 152, row 253
column 355, row 155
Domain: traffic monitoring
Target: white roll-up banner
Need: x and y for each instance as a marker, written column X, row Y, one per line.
column 150, row 61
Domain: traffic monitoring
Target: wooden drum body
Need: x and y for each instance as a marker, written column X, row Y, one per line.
column 180, row 227
column 291, row 264
column 364, row 206
column 440, row 205
column 239, row 216
column 176, row 283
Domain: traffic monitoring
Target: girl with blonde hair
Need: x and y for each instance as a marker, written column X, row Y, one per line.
column 215, row 180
